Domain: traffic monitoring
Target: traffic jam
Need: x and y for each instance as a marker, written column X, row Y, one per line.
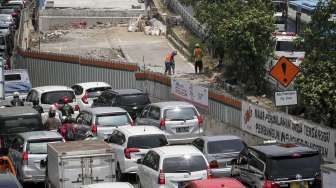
column 90, row 135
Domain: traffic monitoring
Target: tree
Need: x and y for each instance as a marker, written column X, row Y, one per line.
column 241, row 32
column 317, row 80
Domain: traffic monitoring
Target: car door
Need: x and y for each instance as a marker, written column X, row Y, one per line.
column 149, row 170
column 143, row 120
column 117, row 139
column 256, row 169
column 199, row 144
column 154, row 116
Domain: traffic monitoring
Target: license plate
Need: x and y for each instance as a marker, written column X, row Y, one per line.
column 182, row 129
column 298, row 185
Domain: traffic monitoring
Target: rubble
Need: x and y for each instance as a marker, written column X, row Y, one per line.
column 53, row 35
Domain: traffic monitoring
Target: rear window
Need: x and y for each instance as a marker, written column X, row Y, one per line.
column 180, row 114
column 95, row 92
column 40, row 146
column 112, row 120
column 21, row 125
column 225, row 146
column 287, row 46
column 12, row 77
column 141, row 99
column 56, row 96
column 147, row 141
column 289, row 167
column 184, row 163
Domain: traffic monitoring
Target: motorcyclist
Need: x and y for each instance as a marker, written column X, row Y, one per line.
column 52, row 122
column 16, row 101
column 66, row 108
column 37, row 107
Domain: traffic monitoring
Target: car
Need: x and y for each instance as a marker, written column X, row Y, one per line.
column 48, row 95
column 15, row 120
column 215, row 183
column 8, row 180
column 102, row 120
column 88, row 91
column 132, row 100
column 278, row 165
column 7, row 24
column 15, row 12
column 17, row 80
column 181, row 121
column 131, row 143
column 29, row 152
column 220, row 151
column 172, row 166
column 109, row 185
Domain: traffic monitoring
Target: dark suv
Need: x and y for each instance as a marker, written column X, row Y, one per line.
column 132, row 100
column 15, row 120
column 278, row 165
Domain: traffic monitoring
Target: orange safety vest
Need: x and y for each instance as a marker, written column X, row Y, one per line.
column 198, row 53
column 169, row 57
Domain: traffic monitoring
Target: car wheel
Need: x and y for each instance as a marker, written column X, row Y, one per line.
column 119, row 174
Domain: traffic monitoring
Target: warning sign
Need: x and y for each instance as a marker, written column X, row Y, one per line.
column 284, row 71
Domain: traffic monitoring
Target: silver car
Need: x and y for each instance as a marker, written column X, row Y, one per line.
column 28, row 152
column 181, row 121
column 101, row 121
column 220, row 151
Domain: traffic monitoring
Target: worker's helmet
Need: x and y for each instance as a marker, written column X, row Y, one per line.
column 197, row 45
column 174, row 52
column 16, row 94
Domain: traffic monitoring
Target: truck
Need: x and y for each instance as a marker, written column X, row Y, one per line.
column 77, row 163
column 328, row 174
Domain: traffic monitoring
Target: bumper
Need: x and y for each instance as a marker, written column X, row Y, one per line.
column 183, row 138
column 33, row 175
column 130, row 166
column 34, row 179
column 221, row 172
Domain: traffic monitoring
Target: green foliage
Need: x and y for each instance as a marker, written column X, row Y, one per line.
column 241, row 32
column 317, row 81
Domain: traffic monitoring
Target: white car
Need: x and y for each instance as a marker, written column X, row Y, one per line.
column 87, row 92
column 131, row 143
column 109, row 185
column 172, row 167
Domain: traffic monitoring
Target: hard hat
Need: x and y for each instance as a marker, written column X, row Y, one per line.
column 174, row 52
column 16, row 94
column 197, row 45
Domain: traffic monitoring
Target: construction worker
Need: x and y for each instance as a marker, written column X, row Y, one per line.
column 198, row 54
column 170, row 62
column 16, row 101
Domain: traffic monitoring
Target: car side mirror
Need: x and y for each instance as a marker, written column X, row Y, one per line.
column 139, row 161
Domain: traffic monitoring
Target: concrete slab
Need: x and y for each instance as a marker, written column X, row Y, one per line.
column 101, row 4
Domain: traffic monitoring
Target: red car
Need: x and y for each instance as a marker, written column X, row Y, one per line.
column 216, row 183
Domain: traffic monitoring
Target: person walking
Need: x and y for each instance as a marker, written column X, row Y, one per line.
column 198, row 55
column 170, row 63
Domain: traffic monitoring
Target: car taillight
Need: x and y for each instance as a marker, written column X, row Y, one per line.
column 85, row 99
column 94, row 129
column 270, row 184
column 128, row 152
column 162, row 123
column 14, row 14
column 209, row 175
column 25, row 156
column 162, row 179
column 214, row 164
column 200, row 120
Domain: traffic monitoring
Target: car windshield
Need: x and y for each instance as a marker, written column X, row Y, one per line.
column 22, row 125
column 56, row 97
column 95, row 92
column 112, row 120
column 287, row 46
column 225, row 146
column 140, row 99
column 289, row 167
column 147, row 141
column 185, row 163
column 180, row 114
column 40, row 146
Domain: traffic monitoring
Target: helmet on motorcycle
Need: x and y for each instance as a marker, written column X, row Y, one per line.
column 66, row 100
column 16, row 94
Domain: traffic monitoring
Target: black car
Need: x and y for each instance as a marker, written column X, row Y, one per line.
column 278, row 165
column 15, row 120
column 132, row 100
column 8, row 180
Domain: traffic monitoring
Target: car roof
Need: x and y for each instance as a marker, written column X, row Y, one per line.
column 8, row 179
column 50, row 88
column 218, row 182
column 39, row 135
column 104, row 110
column 177, row 150
column 140, row 130
column 87, row 85
column 220, row 137
column 126, row 91
column 109, row 184
column 280, row 150
column 172, row 104
column 17, row 111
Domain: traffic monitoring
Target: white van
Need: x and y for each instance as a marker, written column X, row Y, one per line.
column 17, row 80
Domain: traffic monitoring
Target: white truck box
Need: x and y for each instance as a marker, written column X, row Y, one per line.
column 328, row 173
column 72, row 164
